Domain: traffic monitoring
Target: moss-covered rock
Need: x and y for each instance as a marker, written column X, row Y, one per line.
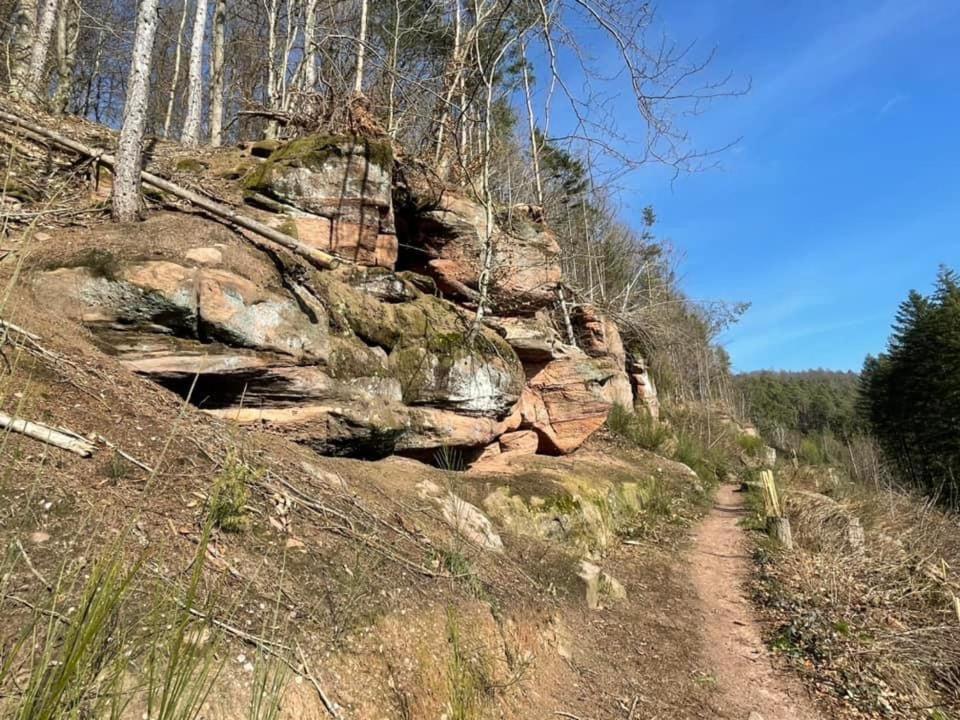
column 430, row 347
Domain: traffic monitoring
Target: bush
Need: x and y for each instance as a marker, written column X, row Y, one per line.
column 751, row 445
column 810, row 452
column 638, row 428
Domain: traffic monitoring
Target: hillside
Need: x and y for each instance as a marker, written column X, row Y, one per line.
column 491, row 552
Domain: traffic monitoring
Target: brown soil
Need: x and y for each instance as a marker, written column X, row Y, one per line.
column 746, row 680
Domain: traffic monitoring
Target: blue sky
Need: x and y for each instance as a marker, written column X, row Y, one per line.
column 844, row 192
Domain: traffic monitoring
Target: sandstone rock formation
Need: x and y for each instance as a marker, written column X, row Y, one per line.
column 377, row 356
column 447, row 236
column 336, row 195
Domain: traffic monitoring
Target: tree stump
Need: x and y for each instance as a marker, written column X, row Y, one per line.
column 779, row 529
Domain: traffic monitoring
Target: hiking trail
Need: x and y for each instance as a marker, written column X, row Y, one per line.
column 748, row 685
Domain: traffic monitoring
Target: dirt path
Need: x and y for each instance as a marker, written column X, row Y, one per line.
column 748, row 685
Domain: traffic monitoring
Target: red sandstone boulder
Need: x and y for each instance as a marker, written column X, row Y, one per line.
column 564, row 403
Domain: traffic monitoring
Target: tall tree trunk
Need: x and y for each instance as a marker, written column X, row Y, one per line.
column 216, row 72
column 273, row 17
column 361, row 49
column 392, row 70
column 191, row 123
column 24, row 24
column 126, row 181
column 310, row 46
column 177, row 57
column 68, row 35
column 36, row 77
column 456, row 67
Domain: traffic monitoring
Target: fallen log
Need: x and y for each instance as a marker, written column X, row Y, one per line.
column 58, row 437
column 223, row 212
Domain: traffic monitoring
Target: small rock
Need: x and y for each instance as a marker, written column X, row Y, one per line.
column 755, row 716
column 39, row 537
column 204, row 255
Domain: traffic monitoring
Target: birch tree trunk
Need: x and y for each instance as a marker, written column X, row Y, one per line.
column 361, row 48
column 273, row 17
column 310, row 46
column 216, row 73
column 177, row 57
column 191, row 123
column 68, row 35
column 24, row 23
column 126, row 180
column 36, row 85
column 457, row 68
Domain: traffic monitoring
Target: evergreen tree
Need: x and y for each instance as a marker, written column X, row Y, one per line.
column 910, row 395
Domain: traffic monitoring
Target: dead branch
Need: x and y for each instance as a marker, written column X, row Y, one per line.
column 330, row 706
column 32, row 569
column 58, row 437
column 121, row 453
column 316, row 257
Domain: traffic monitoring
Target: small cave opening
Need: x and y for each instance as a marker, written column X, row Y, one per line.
column 452, row 458
column 211, row 391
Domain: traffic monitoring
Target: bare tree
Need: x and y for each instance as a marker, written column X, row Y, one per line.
column 126, row 181
column 191, row 123
column 177, row 59
column 217, row 84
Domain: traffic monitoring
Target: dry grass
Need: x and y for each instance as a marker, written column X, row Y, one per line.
column 868, row 600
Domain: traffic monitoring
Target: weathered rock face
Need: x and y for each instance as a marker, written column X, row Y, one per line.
column 533, row 339
column 598, row 335
column 565, row 403
column 447, row 238
column 644, row 390
column 364, row 363
column 336, row 193
column 365, row 359
column 201, row 303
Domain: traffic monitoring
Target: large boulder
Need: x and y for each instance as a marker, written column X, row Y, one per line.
column 446, row 236
column 335, row 193
column 208, row 304
column 440, row 360
column 564, row 401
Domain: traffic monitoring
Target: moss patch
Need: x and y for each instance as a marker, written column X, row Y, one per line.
column 314, row 152
column 191, row 165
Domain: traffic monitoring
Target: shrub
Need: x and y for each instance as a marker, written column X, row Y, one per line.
column 229, row 496
column 810, row 452
column 638, row 428
column 751, row 445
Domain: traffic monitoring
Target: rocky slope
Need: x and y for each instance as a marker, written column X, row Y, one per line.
column 375, row 357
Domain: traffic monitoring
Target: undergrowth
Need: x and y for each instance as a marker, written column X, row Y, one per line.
column 110, row 640
column 866, row 605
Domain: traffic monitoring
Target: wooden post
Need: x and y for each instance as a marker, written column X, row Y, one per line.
column 778, row 526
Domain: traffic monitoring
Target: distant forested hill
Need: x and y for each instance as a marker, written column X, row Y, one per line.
column 801, row 404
